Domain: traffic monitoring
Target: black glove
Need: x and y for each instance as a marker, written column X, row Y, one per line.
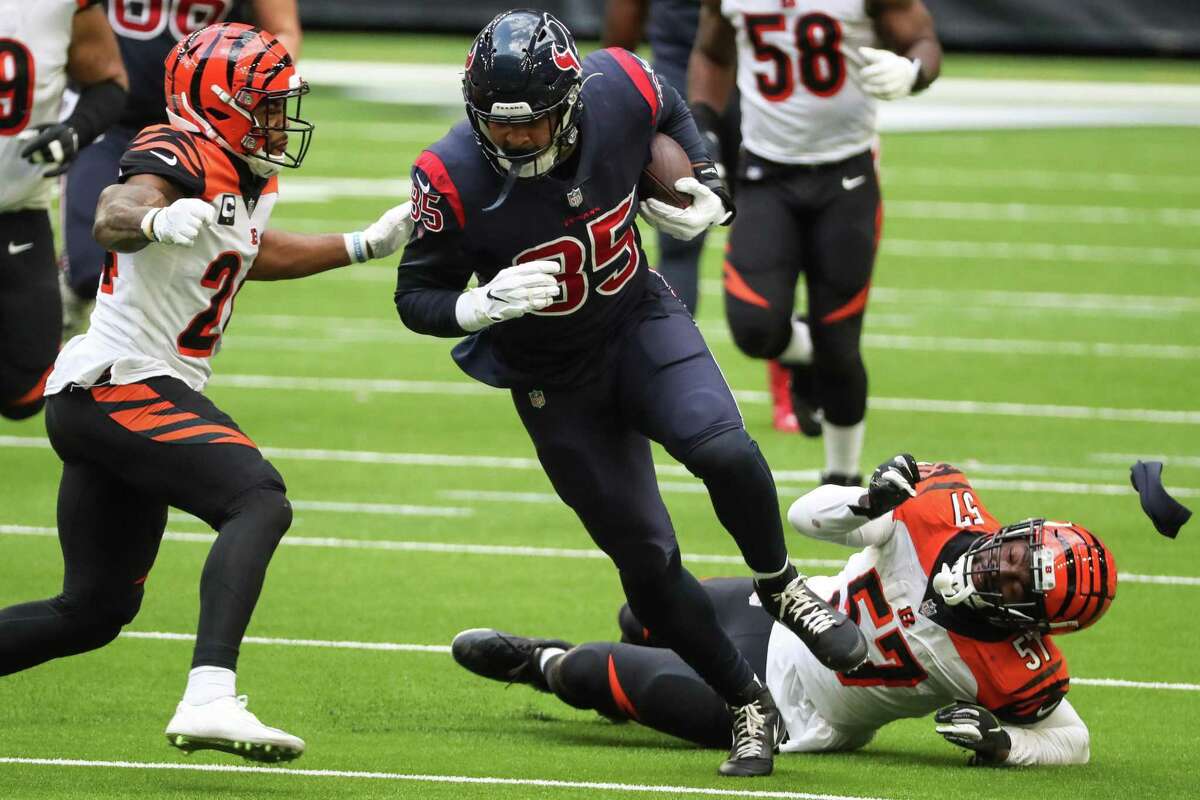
column 974, row 728
column 892, row 482
column 53, row 143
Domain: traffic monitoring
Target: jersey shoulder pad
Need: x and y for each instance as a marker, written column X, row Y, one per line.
column 1020, row 679
column 437, row 203
column 168, row 152
column 945, row 505
column 624, row 69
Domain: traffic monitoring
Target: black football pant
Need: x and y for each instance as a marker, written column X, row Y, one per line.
column 30, row 311
column 821, row 221
column 639, row 679
column 594, row 443
column 128, row 453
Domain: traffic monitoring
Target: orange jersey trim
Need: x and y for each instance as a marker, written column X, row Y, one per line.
column 618, row 692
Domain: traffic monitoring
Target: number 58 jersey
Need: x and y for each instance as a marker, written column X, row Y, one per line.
column 923, row 654
column 162, row 310
column 797, row 73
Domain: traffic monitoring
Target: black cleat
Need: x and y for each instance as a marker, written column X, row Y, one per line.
column 503, row 656
column 840, row 479
column 804, row 403
column 757, row 731
column 835, row 641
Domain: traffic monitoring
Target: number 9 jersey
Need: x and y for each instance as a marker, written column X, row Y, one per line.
column 162, row 310
column 797, row 73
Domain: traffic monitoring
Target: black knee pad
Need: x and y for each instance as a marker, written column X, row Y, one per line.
column 730, row 452
column 756, row 332
column 23, row 411
column 97, row 619
column 269, row 506
column 580, row 677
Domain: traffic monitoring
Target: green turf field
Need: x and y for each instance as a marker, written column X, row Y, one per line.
column 1035, row 319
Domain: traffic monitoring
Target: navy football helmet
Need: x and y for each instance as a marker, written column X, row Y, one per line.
column 521, row 67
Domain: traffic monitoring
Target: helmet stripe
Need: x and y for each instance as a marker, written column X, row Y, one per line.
column 196, row 89
column 1068, row 556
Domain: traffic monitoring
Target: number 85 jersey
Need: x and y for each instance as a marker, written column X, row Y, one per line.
column 797, row 73
column 923, row 654
column 162, row 310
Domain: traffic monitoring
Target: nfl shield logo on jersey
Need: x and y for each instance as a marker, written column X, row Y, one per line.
column 575, row 197
column 537, row 399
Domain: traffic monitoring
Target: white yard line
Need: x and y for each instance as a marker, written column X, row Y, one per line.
column 1113, row 683
column 670, row 470
column 1186, row 462
column 605, row 787
column 1136, row 257
column 1049, row 180
column 1035, row 212
column 391, row 545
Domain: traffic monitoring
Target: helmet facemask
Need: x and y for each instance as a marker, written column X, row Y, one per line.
column 536, row 163
column 272, row 114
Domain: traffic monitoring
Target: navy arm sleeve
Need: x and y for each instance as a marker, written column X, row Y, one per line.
column 435, row 267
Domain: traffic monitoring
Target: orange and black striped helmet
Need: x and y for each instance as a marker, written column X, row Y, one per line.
column 236, row 85
column 1069, row 577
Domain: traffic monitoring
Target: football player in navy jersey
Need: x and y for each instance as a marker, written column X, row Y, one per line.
column 146, row 31
column 536, row 194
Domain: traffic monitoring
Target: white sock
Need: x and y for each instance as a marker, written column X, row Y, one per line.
column 764, row 576
column 206, row 684
column 843, row 447
column 799, row 349
column 547, row 654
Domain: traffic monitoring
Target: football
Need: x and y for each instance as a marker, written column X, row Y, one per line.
column 668, row 163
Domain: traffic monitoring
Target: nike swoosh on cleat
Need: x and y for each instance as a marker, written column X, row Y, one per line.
column 172, row 161
column 853, row 183
column 15, row 249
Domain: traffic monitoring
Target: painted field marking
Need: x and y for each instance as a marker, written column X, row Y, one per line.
column 674, row 791
column 1041, row 251
column 332, row 542
column 1113, row 683
column 1037, row 212
column 1187, row 462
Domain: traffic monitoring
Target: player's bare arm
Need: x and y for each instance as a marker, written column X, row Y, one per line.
column 712, row 66
column 906, row 27
column 285, row 256
column 624, row 22
column 123, row 207
column 281, row 18
column 93, row 56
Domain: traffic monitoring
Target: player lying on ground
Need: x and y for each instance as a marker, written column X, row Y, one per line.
column 187, row 225
column 961, row 612
column 537, row 194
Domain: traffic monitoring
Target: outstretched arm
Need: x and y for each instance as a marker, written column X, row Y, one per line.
column 284, row 256
column 826, row 513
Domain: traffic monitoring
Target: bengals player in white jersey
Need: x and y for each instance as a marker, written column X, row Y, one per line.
column 186, row 225
column 809, row 73
column 962, row 614
column 42, row 45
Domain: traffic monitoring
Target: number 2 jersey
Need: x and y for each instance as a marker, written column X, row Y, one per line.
column 923, row 654
column 797, row 73
column 162, row 309
column 34, row 39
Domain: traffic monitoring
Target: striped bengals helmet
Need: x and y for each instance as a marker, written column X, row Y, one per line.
column 1070, row 577
column 1084, row 580
column 222, row 81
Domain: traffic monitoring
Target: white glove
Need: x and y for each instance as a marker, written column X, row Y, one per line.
column 382, row 237
column 514, row 292
column 179, row 223
column 705, row 211
column 887, row 75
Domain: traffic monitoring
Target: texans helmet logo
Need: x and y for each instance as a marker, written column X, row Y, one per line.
column 470, row 58
column 565, row 56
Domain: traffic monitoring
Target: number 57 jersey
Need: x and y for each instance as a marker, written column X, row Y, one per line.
column 162, row 310
column 923, row 654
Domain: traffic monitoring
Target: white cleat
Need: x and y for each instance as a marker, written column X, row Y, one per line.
column 226, row 725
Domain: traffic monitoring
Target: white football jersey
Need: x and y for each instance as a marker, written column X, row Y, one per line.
column 162, row 310
column 798, row 75
column 915, row 665
column 34, row 38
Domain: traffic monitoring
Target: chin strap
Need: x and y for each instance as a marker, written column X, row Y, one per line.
column 510, row 180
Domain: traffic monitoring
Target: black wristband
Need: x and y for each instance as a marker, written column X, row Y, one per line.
column 706, row 173
column 99, row 107
column 708, row 122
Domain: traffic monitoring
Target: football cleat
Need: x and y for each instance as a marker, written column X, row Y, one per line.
column 757, row 731
column 835, row 641
column 779, row 379
column 226, row 725
column 503, row 656
column 804, row 403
